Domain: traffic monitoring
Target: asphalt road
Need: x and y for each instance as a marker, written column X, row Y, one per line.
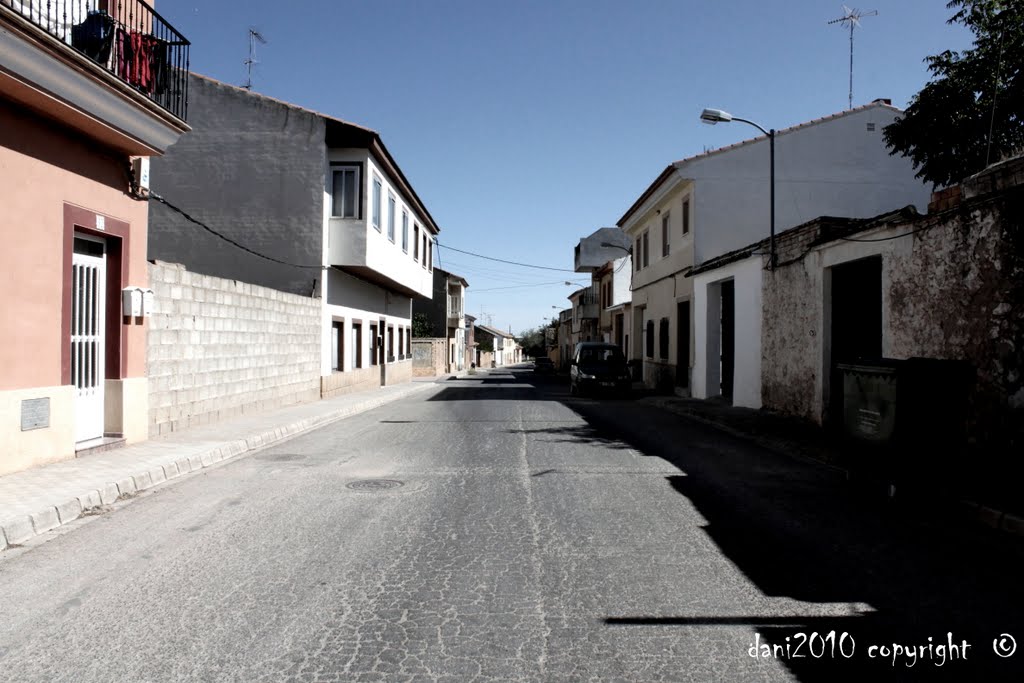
column 533, row 538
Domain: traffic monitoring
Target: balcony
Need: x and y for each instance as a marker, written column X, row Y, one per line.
column 587, row 306
column 455, row 315
column 357, row 248
column 114, row 69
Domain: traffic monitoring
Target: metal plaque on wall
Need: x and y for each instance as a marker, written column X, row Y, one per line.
column 35, row 413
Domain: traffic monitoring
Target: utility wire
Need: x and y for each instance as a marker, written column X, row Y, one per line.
column 539, row 284
column 172, row 207
column 514, row 263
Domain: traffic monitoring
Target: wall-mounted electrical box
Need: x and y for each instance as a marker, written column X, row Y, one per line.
column 140, row 166
column 131, row 302
column 148, row 302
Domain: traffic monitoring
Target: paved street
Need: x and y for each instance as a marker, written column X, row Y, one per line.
column 533, row 538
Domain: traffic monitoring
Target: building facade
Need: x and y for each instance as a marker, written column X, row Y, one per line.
column 78, row 125
column 325, row 201
column 445, row 315
column 710, row 205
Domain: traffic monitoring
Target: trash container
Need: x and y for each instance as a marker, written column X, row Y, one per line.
column 870, row 392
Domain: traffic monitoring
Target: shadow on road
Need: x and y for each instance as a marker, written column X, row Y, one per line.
column 915, row 581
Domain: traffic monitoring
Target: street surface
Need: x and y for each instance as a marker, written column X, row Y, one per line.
column 533, row 537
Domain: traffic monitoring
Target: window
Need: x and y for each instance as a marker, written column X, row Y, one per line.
column 416, row 242
column 430, row 256
column 664, row 234
column 405, row 231
column 646, row 250
column 376, row 204
column 373, row 345
column 391, row 344
column 424, row 261
column 408, row 341
column 391, row 217
column 649, row 339
column 663, row 339
column 337, row 345
column 637, row 254
column 345, row 192
column 401, row 343
column 686, row 216
column 357, row 345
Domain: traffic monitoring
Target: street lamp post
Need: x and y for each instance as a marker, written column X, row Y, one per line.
column 713, row 116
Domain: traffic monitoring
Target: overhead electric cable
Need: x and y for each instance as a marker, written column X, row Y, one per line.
column 514, row 263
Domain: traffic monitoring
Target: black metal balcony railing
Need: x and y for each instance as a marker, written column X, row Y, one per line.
column 128, row 38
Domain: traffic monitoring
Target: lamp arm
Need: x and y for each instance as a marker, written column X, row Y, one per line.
column 736, row 118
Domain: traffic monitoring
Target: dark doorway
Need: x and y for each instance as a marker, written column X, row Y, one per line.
column 683, row 344
column 728, row 337
column 619, row 332
column 856, row 330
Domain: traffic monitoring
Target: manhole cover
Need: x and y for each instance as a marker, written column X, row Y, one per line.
column 374, row 484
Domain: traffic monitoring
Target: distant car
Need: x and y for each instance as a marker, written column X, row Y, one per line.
column 598, row 366
column 543, row 365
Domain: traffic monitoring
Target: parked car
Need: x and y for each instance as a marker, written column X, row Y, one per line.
column 598, row 366
column 543, row 365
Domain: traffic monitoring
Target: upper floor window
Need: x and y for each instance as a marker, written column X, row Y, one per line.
column 664, row 234
column 686, row 216
column 405, row 231
column 391, row 217
column 637, row 254
column 647, row 251
column 345, row 192
column 416, row 242
column 376, row 203
column 430, row 255
column 424, row 261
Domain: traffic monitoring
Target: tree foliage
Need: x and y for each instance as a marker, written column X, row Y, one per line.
column 421, row 326
column 945, row 129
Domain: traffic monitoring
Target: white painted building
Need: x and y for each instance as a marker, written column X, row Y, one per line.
column 378, row 240
column 833, row 166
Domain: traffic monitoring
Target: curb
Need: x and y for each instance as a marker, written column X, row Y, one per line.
column 990, row 517
column 14, row 532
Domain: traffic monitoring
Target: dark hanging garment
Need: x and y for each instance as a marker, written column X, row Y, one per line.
column 94, row 36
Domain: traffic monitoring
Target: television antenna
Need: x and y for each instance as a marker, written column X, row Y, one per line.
column 852, row 17
column 254, row 37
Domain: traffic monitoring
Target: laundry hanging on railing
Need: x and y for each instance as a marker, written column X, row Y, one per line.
column 142, row 61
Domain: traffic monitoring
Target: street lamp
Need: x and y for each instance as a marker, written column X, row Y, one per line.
column 713, row 116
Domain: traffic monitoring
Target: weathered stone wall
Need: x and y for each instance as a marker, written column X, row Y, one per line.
column 428, row 356
column 218, row 348
column 960, row 295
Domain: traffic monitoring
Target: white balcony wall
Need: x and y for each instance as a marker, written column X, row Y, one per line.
column 354, row 242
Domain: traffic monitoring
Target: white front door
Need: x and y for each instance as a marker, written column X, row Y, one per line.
column 88, row 319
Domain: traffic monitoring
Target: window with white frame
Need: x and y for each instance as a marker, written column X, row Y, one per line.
column 377, row 188
column 416, row 242
column 647, row 251
column 345, row 191
column 391, row 217
column 405, row 231
column 430, row 256
column 664, row 234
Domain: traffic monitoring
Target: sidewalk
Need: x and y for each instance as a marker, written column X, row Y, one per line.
column 40, row 499
column 802, row 439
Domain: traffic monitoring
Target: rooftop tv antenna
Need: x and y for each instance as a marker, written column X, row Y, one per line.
column 254, row 37
column 852, row 18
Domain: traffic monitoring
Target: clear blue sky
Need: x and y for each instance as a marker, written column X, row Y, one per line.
column 524, row 126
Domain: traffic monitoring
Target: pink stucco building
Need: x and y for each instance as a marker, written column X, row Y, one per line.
column 88, row 92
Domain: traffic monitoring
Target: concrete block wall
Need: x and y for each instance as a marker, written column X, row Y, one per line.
column 218, row 348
